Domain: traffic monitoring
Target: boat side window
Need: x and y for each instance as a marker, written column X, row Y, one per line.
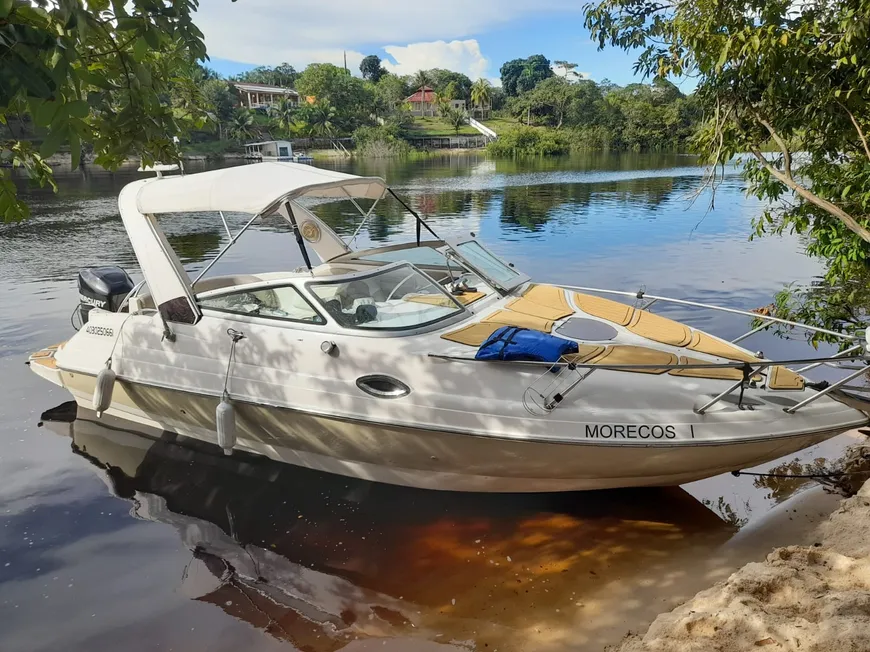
column 397, row 298
column 275, row 303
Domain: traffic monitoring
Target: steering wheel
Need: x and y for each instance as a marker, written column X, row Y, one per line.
column 402, row 282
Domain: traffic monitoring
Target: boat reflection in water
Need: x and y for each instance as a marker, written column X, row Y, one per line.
column 322, row 561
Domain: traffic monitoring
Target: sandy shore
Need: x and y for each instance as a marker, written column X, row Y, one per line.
column 812, row 598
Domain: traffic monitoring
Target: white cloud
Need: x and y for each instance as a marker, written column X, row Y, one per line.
column 459, row 56
column 268, row 32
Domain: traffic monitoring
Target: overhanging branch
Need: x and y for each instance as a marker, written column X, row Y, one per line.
column 850, row 222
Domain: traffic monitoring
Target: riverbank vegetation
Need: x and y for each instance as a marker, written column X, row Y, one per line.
column 792, row 75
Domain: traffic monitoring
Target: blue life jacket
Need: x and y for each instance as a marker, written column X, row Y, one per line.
column 514, row 343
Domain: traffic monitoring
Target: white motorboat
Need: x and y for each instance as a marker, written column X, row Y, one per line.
column 364, row 364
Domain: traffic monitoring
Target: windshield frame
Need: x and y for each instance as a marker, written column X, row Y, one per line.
column 451, row 248
column 460, row 314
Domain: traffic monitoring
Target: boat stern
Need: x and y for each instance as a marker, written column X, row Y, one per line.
column 44, row 364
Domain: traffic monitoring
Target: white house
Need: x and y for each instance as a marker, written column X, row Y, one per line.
column 263, row 96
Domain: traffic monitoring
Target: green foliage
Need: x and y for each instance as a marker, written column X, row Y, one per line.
column 352, row 100
column 320, row 118
column 794, row 77
column 421, row 78
column 94, row 72
column 529, row 141
column 371, row 69
column 481, row 93
column 380, row 142
column 520, row 75
column 241, row 125
column 456, row 118
column 284, row 113
column 284, row 76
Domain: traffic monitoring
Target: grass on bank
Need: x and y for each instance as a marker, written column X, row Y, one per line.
column 434, row 127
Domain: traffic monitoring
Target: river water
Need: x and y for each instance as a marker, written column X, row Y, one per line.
column 114, row 541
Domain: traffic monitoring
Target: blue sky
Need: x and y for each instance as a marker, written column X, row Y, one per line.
column 472, row 38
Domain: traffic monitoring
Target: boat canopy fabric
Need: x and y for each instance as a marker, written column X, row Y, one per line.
column 254, row 188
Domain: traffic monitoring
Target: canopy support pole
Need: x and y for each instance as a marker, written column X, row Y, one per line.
column 226, row 226
column 366, row 217
column 224, row 250
column 420, row 220
column 299, row 239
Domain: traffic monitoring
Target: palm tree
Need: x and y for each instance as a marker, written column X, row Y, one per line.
column 284, row 115
column 320, row 119
column 456, row 118
column 422, row 79
column 481, row 95
column 241, row 125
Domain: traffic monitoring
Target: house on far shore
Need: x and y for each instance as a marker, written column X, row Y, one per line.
column 423, row 103
column 482, row 111
column 264, row 96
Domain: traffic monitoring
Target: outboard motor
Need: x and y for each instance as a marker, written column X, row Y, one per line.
column 102, row 287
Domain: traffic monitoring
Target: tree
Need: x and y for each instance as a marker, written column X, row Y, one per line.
column 241, row 126
column 481, row 94
column 371, row 68
column 352, row 98
column 531, row 70
column 95, row 72
column 792, row 77
column 567, row 68
column 555, row 93
column 455, row 117
column 221, row 99
column 422, row 79
column 320, row 118
column 284, row 76
column 284, row 113
column 442, row 79
column 392, row 89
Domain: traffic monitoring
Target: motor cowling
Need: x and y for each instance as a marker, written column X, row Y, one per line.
column 103, row 288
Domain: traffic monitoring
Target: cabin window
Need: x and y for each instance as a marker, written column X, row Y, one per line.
column 274, row 303
column 282, row 151
column 397, row 298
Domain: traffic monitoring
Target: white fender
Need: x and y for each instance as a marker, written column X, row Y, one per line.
column 103, row 390
column 225, row 420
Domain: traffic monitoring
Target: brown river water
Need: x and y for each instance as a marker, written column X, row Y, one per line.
column 114, row 539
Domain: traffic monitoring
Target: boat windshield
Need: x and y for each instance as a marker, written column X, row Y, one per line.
column 395, row 298
column 488, row 265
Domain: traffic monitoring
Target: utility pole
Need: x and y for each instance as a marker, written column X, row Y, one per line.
column 345, row 61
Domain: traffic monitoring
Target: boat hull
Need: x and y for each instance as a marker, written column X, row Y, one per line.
column 439, row 459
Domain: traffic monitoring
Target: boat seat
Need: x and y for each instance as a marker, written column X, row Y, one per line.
column 607, row 309
column 781, row 378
